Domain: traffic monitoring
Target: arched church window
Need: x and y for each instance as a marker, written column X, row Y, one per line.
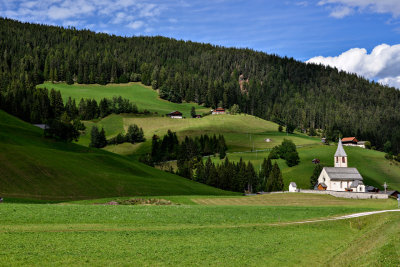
column 344, row 160
column 337, row 159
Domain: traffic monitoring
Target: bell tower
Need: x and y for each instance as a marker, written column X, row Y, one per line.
column 340, row 156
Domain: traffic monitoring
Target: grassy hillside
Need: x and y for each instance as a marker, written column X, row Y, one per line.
column 242, row 132
column 183, row 235
column 372, row 165
column 143, row 96
column 34, row 167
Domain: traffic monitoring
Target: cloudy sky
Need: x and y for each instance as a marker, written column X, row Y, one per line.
column 359, row 36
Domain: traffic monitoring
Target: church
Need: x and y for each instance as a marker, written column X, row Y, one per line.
column 340, row 177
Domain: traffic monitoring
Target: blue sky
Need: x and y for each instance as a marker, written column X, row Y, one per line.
column 325, row 31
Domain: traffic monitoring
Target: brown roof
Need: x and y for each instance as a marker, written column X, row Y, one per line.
column 219, row 109
column 349, row 139
column 175, row 113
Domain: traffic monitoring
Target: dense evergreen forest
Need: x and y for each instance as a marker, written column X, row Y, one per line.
column 283, row 90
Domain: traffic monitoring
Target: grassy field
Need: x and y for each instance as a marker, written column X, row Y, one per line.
column 143, row 96
column 245, row 132
column 296, row 200
column 372, row 165
column 242, row 132
column 34, row 167
column 183, row 235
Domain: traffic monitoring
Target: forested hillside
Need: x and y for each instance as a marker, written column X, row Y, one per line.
column 278, row 89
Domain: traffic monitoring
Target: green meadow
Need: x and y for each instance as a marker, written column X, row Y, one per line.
column 83, row 234
column 34, row 167
column 242, row 132
column 372, row 165
column 143, row 96
column 244, row 135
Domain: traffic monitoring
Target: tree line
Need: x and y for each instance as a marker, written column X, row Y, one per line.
column 133, row 135
column 169, row 148
column 228, row 175
column 41, row 106
column 283, row 90
column 237, row 177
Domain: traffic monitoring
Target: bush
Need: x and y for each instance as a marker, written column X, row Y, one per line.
column 389, row 156
column 280, row 128
column 292, row 158
column 274, row 154
column 287, row 151
column 290, row 128
column 367, row 144
column 235, row 109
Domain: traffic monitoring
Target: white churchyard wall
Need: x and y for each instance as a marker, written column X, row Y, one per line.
column 357, row 195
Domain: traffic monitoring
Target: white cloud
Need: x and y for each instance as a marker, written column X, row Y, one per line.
column 341, row 12
column 302, row 3
column 342, row 8
column 383, row 63
column 133, row 14
column 136, row 24
column 391, row 81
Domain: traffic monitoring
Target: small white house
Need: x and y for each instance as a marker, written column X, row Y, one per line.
column 218, row 111
column 175, row 115
column 292, row 187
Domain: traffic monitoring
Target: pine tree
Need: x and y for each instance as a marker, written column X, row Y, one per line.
column 275, row 180
column 193, row 112
column 251, row 177
column 314, row 177
column 102, row 138
column 266, row 168
column 94, row 137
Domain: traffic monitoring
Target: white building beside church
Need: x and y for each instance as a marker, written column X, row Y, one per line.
column 293, row 187
column 340, row 177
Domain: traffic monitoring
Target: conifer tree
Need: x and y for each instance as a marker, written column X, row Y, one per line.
column 275, row 180
column 193, row 112
column 314, row 177
column 94, row 137
column 266, row 168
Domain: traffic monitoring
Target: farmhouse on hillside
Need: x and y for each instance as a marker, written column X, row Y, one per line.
column 349, row 141
column 340, row 177
column 352, row 141
column 175, row 115
column 218, row 111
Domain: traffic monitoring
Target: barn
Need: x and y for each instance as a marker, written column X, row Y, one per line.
column 218, row 111
column 175, row 115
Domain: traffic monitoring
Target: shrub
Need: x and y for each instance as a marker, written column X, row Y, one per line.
column 292, row 158
column 368, row 144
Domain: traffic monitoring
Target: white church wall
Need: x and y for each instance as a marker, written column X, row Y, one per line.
column 323, row 178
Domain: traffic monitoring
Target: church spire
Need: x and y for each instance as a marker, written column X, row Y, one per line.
column 340, row 151
column 340, row 156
